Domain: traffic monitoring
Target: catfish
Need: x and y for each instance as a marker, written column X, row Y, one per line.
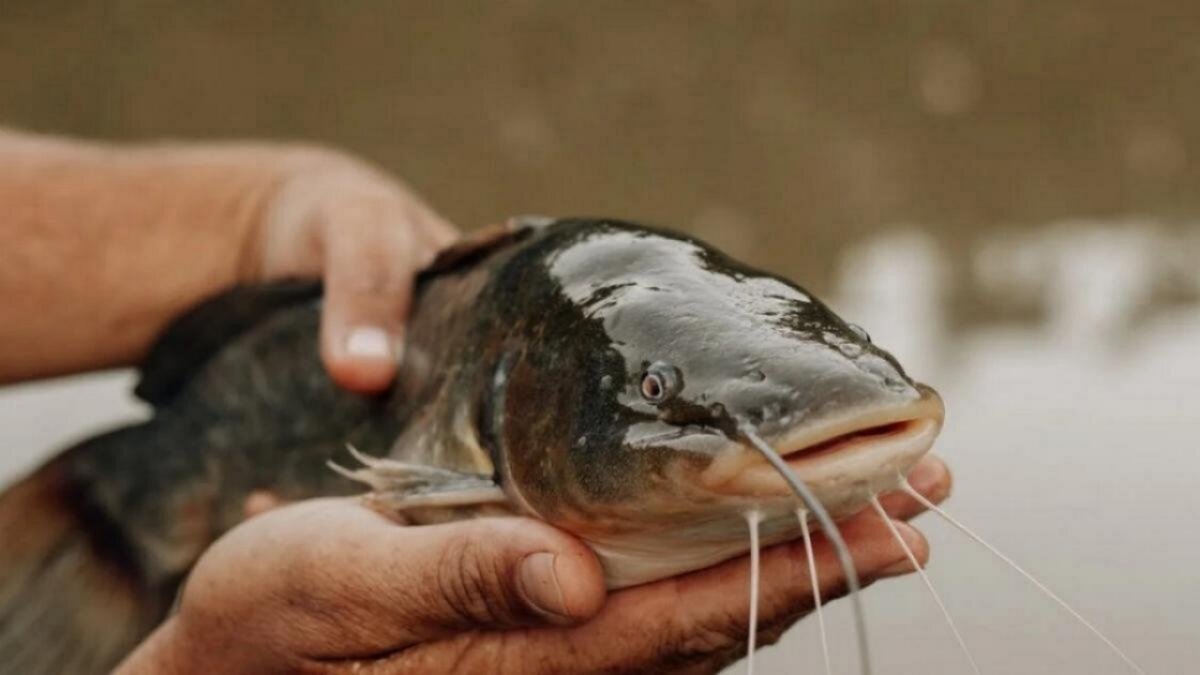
column 599, row 375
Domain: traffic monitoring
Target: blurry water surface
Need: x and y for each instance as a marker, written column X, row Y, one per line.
column 1072, row 429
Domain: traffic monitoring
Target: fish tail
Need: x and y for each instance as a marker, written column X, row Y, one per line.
column 71, row 598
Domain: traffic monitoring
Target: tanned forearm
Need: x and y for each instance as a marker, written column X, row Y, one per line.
column 100, row 246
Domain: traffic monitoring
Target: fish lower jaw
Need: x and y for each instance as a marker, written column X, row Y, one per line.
column 844, row 471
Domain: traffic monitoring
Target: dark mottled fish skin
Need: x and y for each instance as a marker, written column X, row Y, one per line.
column 524, row 356
column 97, row 541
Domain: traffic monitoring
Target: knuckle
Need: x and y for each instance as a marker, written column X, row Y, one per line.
column 771, row 633
column 469, row 581
column 704, row 638
column 377, row 280
column 713, row 635
column 371, row 270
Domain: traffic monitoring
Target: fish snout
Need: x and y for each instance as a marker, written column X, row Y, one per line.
column 781, row 394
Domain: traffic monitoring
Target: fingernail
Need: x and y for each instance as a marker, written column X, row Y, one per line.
column 903, row 566
column 537, row 583
column 370, row 342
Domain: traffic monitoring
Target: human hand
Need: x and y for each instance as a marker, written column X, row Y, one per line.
column 329, row 586
column 367, row 236
column 196, row 219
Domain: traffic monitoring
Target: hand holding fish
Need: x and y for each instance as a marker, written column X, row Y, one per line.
column 367, row 236
column 330, row 586
column 584, row 404
column 106, row 244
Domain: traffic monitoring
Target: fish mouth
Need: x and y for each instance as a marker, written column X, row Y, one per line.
column 842, row 459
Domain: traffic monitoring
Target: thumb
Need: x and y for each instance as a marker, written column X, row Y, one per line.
column 501, row 573
column 358, row 583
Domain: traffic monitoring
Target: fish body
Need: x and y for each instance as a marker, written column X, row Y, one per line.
column 590, row 373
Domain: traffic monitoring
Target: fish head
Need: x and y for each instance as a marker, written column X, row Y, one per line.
column 655, row 356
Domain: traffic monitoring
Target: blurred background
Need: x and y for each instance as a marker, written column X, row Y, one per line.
column 1002, row 192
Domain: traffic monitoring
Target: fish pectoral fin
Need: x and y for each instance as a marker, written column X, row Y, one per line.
column 399, row 486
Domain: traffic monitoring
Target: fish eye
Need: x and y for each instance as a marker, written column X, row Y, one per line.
column 660, row 382
column 859, row 332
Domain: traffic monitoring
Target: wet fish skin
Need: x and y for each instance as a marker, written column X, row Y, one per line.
column 581, row 310
column 524, row 360
column 615, row 299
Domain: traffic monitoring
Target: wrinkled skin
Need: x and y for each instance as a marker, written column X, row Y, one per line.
column 471, row 620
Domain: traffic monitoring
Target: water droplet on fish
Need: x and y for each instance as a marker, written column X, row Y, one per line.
column 606, row 382
column 581, row 441
column 859, row 332
column 716, row 410
column 850, row 349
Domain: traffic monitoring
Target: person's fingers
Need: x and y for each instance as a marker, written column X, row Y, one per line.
column 786, row 588
column 331, row 579
column 709, row 608
column 931, row 478
column 370, row 267
column 437, row 230
column 697, row 621
column 368, row 236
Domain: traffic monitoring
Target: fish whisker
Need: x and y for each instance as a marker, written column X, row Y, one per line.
column 832, row 533
column 753, row 518
column 962, row 644
column 912, row 492
column 802, row 516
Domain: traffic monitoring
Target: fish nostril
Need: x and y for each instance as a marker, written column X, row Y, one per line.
column 883, row 371
column 771, row 411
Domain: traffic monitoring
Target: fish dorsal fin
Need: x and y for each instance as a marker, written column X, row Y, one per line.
column 483, row 241
column 195, row 337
